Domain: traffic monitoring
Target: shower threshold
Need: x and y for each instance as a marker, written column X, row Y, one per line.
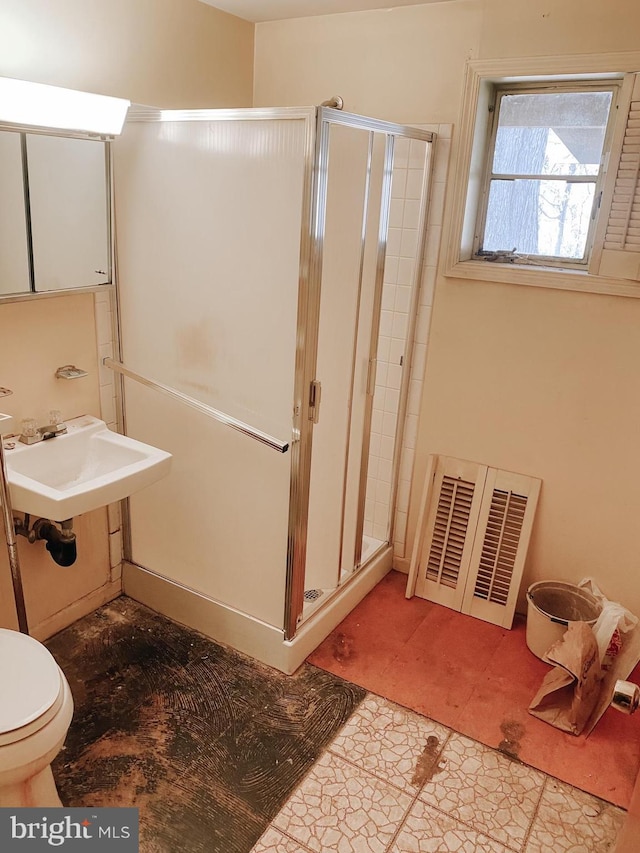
column 245, row 633
column 316, row 598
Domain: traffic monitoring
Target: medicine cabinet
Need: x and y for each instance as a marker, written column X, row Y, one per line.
column 54, row 213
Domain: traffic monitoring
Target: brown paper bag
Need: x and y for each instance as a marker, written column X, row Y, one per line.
column 569, row 693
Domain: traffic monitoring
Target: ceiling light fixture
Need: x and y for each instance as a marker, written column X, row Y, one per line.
column 39, row 105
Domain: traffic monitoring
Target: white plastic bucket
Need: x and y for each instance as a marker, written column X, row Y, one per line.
column 551, row 605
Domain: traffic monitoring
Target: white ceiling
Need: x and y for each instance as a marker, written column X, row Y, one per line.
column 276, row 10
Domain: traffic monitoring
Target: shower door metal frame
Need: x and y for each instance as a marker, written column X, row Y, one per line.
column 305, row 355
column 383, row 229
column 308, row 330
column 312, row 232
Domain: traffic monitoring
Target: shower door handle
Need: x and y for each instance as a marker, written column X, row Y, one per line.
column 315, row 392
column 371, row 376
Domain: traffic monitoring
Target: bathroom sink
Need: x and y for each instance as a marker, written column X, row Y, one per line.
column 88, row 467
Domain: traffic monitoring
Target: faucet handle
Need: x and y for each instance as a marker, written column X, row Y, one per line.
column 55, row 417
column 29, row 427
column 29, row 432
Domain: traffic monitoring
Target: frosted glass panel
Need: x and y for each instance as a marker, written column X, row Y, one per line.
column 209, row 222
column 347, row 307
column 213, row 244
column 339, row 303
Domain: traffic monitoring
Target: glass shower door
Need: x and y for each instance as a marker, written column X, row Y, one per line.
column 372, row 227
column 350, row 293
column 209, row 214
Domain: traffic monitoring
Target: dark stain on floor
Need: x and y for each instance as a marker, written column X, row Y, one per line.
column 342, row 648
column 427, row 763
column 206, row 742
column 512, row 732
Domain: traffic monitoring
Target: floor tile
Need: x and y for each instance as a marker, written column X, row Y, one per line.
column 273, row 841
column 570, row 821
column 427, row 830
column 341, row 807
column 396, row 745
column 483, row 788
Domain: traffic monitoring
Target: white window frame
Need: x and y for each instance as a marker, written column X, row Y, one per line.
column 546, row 87
column 469, row 159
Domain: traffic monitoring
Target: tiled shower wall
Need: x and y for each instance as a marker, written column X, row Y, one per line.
column 394, row 320
column 105, row 342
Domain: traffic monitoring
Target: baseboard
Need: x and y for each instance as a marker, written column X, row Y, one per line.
column 212, row 618
column 245, row 633
column 401, row 564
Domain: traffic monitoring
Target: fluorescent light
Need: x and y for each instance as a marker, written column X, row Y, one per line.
column 37, row 104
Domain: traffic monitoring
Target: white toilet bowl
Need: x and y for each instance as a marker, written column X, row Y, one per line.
column 36, row 707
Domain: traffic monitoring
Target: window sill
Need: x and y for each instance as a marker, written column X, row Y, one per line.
column 549, row 277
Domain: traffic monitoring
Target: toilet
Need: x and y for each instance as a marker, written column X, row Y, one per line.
column 36, row 707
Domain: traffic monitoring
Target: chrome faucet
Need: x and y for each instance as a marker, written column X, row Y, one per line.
column 32, row 433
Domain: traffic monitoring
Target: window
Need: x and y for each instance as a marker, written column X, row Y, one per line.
column 541, row 187
column 546, row 175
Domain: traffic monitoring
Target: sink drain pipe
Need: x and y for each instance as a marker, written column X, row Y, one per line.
column 61, row 543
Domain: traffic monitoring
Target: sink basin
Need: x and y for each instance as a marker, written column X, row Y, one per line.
column 88, row 467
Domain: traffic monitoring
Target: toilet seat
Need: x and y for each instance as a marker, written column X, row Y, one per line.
column 31, row 686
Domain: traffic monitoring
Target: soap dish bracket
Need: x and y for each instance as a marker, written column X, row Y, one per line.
column 70, row 371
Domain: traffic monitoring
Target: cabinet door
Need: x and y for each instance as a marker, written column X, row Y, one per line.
column 69, row 211
column 14, row 255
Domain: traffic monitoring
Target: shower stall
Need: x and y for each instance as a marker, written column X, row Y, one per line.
column 268, row 264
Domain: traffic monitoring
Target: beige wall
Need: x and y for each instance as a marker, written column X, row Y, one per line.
column 539, row 381
column 402, row 65
column 165, row 53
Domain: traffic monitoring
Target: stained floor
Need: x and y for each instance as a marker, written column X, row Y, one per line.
column 393, row 781
column 206, row 742
column 478, row 680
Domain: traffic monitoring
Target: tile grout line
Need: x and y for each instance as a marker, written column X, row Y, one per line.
column 289, row 836
column 521, row 846
column 527, row 836
column 304, row 777
column 328, row 750
column 416, row 797
column 381, row 778
column 486, row 833
column 414, row 800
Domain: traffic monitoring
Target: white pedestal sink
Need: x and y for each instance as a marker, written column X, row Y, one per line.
column 88, row 467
